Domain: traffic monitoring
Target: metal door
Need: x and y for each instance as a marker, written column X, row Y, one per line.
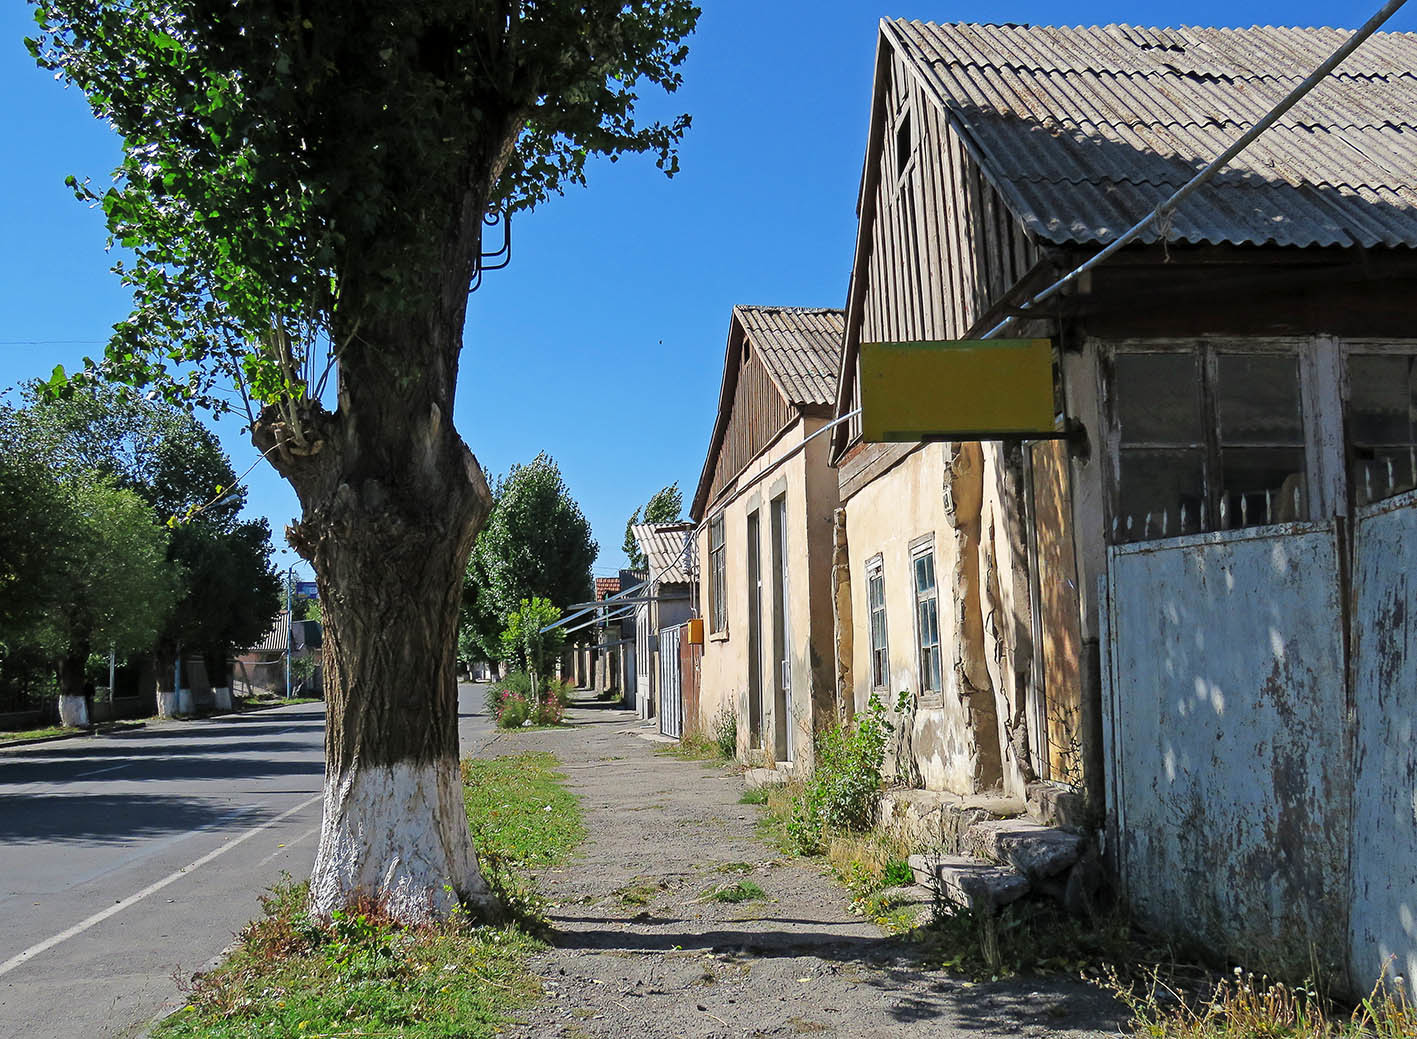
column 671, row 689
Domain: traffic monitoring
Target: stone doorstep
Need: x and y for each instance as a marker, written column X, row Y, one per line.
column 762, row 778
column 967, row 882
column 936, row 819
column 1057, row 804
column 1036, row 851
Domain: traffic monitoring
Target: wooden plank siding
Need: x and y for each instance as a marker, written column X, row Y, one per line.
column 758, row 414
column 943, row 248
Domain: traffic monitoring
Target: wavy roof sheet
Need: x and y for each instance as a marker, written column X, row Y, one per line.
column 669, row 547
column 799, row 346
column 1086, row 129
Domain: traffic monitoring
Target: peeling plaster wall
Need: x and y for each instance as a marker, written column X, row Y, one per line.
column 1231, row 774
column 810, row 489
column 960, row 497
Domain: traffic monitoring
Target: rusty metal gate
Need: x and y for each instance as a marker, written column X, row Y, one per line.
column 671, row 686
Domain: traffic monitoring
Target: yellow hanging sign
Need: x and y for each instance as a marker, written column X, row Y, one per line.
column 965, row 389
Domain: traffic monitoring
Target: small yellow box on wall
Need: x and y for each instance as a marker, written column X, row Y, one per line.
column 966, row 389
column 696, row 631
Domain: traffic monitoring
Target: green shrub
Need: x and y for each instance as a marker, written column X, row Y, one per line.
column 843, row 789
column 725, row 733
column 898, row 874
column 510, row 700
column 513, row 711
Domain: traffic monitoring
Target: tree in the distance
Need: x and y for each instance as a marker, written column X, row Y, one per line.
column 99, row 577
column 304, row 192
column 665, row 506
column 537, row 544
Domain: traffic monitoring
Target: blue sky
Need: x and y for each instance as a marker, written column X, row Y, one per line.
column 603, row 342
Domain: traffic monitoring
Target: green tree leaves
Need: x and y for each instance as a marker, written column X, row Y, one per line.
column 536, row 544
column 275, row 156
column 665, row 506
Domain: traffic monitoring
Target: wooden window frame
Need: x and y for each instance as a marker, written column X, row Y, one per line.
column 1208, row 350
column 876, row 571
column 921, row 549
column 718, row 576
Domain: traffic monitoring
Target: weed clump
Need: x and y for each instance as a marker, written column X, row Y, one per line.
column 742, row 891
column 725, row 733
column 845, row 785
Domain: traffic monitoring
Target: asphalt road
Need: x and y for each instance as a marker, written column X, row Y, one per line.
column 128, row 862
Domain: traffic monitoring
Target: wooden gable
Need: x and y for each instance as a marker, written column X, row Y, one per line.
column 758, row 413
column 936, row 245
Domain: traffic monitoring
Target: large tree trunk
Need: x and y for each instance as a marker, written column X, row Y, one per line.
column 164, row 675
column 219, row 675
column 73, row 707
column 392, row 500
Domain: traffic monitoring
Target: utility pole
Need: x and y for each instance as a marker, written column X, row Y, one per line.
column 289, row 623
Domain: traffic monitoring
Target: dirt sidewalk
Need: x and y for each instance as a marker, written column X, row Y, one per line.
column 637, row 952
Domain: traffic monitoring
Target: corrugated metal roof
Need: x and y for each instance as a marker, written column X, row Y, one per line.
column 669, row 547
column 1086, row 129
column 799, row 346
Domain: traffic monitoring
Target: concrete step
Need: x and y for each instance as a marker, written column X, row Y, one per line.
column 936, row 819
column 762, row 778
column 967, row 882
column 1036, row 851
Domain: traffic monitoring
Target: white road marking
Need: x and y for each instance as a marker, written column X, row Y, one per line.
column 101, row 771
column 83, row 925
column 289, row 844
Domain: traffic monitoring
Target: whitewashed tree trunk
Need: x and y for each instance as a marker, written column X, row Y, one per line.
column 167, row 703
column 380, row 837
column 221, row 698
column 73, row 711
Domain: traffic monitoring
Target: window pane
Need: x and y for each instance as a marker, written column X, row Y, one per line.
column 1162, row 494
column 1380, row 400
column 924, row 574
column 936, row 684
column 1261, row 485
column 1158, row 398
column 1257, row 397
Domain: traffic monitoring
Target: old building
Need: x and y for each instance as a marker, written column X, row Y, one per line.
column 664, row 603
column 1186, row 600
column 764, row 507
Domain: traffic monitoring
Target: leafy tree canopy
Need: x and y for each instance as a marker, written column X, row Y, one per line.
column 87, row 565
column 537, row 544
column 292, row 172
column 665, row 506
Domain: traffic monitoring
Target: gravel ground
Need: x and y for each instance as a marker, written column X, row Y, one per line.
column 637, row 952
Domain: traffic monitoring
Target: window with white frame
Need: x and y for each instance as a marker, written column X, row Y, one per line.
column 927, row 619
column 876, row 603
column 718, row 578
column 1207, row 438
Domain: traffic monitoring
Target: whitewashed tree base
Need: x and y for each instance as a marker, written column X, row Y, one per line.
column 184, row 702
column 221, row 698
column 73, row 712
column 166, row 703
column 375, row 842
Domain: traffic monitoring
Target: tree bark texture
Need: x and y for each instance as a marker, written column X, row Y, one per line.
column 391, row 500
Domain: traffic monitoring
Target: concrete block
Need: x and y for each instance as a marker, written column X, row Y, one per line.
column 967, row 882
column 1036, row 851
column 763, row 778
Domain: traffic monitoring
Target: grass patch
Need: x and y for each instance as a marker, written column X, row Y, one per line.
column 758, row 796
column 742, row 891
column 692, row 746
column 39, row 734
column 640, row 892
column 522, row 818
column 361, row 974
